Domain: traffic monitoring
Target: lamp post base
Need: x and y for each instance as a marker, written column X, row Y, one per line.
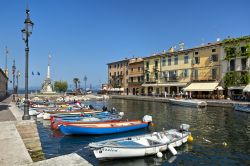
column 26, row 115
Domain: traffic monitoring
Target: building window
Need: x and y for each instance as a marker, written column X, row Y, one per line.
column 195, row 74
column 118, row 66
column 142, row 78
column 147, row 64
column 176, row 60
column 232, row 65
column 214, row 73
column 110, row 66
column 169, row 61
column 163, row 74
column 196, row 60
column 196, row 53
column 139, row 79
column 110, row 74
column 110, row 81
column 121, row 72
column 243, row 64
column 185, row 73
column 114, row 66
column 126, row 72
column 172, row 75
column 132, row 79
column 185, row 59
column 214, row 50
column 147, row 77
column 121, row 65
column 118, row 73
column 164, row 61
column 139, row 68
column 114, row 73
column 156, row 75
column 132, row 69
column 214, row 58
column 118, row 82
column 243, row 49
column 156, row 63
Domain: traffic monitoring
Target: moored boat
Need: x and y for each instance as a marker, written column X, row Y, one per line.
column 59, row 121
column 242, row 107
column 188, row 102
column 105, row 127
column 142, row 145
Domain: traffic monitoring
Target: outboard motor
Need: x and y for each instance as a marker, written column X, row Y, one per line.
column 147, row 118
column 91, row 107
column 184, row 127
column 113, row 110
column 104, row 108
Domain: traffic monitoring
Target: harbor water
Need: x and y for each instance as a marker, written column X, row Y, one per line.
column 221, row 136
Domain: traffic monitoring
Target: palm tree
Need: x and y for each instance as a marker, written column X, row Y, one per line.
column 76, row 81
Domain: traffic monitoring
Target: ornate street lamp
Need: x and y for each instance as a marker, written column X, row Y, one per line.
column 13, row 73
column 27, row 31
column 17, row 78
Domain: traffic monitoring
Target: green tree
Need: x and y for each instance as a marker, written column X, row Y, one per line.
column 61, row 86
column 76, row 81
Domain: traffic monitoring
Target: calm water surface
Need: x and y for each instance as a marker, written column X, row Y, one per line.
column 221, row 136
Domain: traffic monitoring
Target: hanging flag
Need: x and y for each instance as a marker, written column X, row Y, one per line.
column 38, row 73
column 32, row 73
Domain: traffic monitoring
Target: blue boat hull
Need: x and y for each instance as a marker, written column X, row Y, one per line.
column 76, row 130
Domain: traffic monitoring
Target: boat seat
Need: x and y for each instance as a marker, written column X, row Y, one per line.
column 153, row 142
column 130, row 144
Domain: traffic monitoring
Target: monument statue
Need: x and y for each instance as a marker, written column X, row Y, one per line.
column 47, row 84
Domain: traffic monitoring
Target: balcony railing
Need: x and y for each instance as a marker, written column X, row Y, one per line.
column 205, row 77
column 170, row 79
column 135, row 83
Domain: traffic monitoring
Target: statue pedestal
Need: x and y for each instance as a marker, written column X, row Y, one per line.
column 47, row 87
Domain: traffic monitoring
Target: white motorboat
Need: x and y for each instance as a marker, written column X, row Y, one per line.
column 142, row 145
column 188, row 102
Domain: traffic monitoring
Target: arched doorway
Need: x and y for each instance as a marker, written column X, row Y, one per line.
column 134, row 91
column 150, row 91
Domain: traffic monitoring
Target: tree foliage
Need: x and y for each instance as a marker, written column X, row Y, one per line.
column 234, row 78
column 61, row 86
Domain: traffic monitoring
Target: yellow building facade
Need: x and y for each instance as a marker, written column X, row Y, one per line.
column 135, row 76
column 152, row 70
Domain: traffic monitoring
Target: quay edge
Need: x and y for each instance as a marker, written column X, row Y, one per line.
column 210, row 103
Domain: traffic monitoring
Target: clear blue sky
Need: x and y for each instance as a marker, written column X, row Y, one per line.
column 84, row 35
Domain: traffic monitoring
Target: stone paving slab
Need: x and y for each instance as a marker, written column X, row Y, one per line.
column 12, row 151
column 72, row 159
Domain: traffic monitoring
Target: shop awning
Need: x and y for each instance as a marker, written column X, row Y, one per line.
column 178, row 84
column 205, row 86
column 116, row 89
column 236, row 87
column 247, row 88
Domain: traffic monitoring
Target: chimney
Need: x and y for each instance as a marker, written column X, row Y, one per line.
column 181, row 46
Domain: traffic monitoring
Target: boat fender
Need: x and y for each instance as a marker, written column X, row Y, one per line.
column 190, row 138
column 159, row 154
column 172, row 149
column 121, row 113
